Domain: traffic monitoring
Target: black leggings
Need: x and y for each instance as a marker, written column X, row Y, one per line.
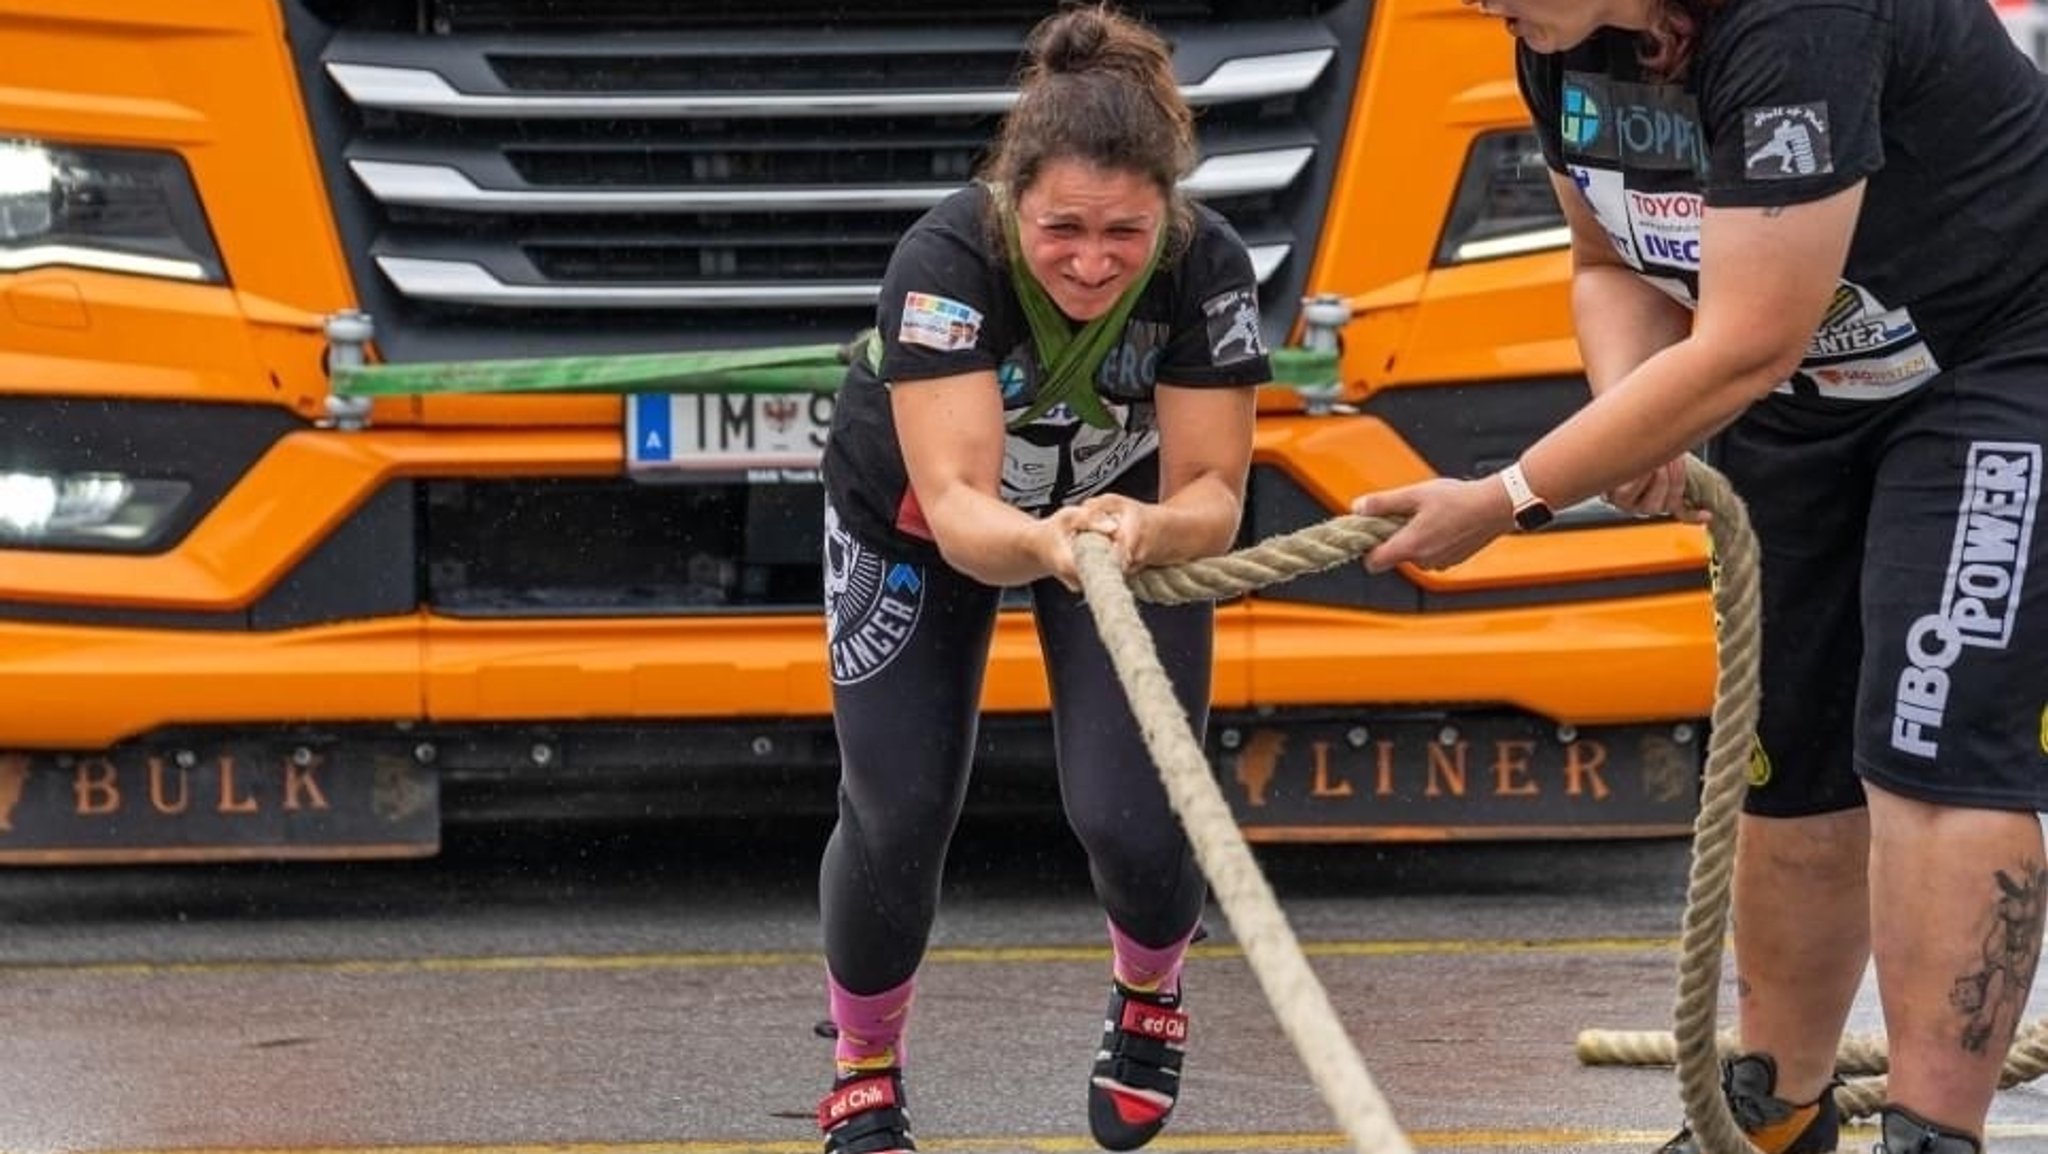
column 910, row 645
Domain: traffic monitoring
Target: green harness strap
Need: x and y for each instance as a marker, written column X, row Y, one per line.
column 1068, row 360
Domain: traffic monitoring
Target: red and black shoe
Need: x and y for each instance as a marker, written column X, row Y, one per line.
column 865, row 1114
column 1137, row 1071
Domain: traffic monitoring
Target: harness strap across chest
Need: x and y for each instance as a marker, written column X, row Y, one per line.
column 1068, row 359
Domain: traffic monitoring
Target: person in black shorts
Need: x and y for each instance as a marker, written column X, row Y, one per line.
column 1812, row 231
column 1065, row 346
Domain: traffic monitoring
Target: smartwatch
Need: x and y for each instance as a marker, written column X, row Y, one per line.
column 1531, row 512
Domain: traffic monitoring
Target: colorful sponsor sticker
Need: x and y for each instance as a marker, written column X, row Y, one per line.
column 936, row 322
column 1667, row 227
column 1786, row 141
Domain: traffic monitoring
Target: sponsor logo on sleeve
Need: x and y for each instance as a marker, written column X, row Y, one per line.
column 935, row 322
column 1980, row 599
column 1233, row 318
column 1786, row 141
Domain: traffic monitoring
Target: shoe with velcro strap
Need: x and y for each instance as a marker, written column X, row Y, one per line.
column 1904, row 1132
column 1136, row 1078
column 1772, row 1124
column 866, row 1114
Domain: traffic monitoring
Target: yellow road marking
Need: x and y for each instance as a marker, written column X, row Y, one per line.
column 1048, row 1144
column 754, row 959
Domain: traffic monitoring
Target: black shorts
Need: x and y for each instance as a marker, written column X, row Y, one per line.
column 1905, row 591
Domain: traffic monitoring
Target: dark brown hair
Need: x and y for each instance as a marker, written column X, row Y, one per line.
column 1096, row 86
column 1668, row 45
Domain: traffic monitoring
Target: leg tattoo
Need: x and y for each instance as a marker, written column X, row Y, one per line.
column 1991, row 998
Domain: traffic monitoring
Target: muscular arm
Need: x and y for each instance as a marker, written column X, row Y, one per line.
column 1766, row 278
column 1205, row 450
column 951, row 430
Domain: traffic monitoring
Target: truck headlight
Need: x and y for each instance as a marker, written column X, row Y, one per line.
column 113, row 209
column 108, row 511
column 1506, row 205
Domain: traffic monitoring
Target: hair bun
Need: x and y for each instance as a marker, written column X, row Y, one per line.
column 1073, row 41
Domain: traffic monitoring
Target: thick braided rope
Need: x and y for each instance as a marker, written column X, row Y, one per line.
column 1737, row 638
column 1737, row 625
column 1737, row 628
column 1323, row 545
column 1694, row 1046
column 1298, row 998
column 1860, row 1057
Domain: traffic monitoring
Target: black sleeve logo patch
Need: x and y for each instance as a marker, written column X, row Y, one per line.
column 1233, row 319
column 1786, row 141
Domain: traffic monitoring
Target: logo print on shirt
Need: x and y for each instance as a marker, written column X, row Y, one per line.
column 1650, row 127
column 1234, row 326
column 1786, row 141
column 1580, row 123
column 871, row 605
column 1011, row 376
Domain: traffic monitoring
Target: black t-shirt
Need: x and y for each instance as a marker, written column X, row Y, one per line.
column 1789, row 101
column 948, row 307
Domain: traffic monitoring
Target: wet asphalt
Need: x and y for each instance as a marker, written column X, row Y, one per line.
column 644, row 989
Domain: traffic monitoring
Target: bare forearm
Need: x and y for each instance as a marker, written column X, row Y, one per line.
column 1671, row 402
column 988, row 539
column 1622, row 321
column 1200, row 520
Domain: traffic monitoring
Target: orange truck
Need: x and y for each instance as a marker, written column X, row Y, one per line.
column 246, row 614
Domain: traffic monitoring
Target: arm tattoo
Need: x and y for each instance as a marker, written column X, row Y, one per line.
column 1775, row 210
column 1991, row 998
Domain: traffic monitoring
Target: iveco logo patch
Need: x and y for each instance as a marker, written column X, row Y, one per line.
column 871, row 605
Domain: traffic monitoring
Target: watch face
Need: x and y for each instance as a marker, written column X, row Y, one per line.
column 1534, row 515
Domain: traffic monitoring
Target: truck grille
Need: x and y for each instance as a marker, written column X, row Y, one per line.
column 733, row 173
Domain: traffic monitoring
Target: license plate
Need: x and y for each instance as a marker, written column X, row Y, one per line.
column 1488, row 776
column 726, row 431
column 232, row 801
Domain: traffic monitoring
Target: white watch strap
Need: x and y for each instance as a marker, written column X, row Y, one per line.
column 1520, row 495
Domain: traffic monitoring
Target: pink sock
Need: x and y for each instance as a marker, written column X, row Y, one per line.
column 1148, row 969
column 870, row 1026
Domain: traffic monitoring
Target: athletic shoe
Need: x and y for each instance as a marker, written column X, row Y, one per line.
column 1905, row 1132
column 1773, row 1125
column 864, row 1114
column 1137, row 1071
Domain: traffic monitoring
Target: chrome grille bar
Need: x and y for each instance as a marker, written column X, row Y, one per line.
column 448, row 187
column 420, row 90
column 470, row 283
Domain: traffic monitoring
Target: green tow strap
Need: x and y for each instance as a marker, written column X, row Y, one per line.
column 1068, row 360
column 797, row 369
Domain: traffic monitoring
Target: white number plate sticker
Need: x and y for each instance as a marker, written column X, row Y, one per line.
column 726, row 431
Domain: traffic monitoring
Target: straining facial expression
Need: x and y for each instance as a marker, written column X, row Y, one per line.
column 1086, row 233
